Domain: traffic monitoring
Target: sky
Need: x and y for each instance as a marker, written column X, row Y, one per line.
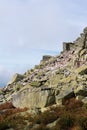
column 30, row 29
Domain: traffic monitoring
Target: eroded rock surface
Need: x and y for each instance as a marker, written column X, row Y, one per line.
column 34, row 98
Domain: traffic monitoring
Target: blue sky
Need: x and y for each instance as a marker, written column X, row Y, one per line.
column 32, row 28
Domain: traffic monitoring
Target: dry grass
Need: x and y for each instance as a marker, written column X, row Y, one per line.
column 72, row 116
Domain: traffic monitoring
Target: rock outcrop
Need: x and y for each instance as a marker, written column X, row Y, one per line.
column 16, row 78
column 46, row 57
column 54, row 80
column 80, row 42
column 34, row 98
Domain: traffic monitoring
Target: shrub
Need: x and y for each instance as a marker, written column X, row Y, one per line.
column 76, row 128
column 65, row 122
column 83, row 122
column 72, row 104
column 4, row 125
column 7, row 105
column 45, row 118
column 71, row 116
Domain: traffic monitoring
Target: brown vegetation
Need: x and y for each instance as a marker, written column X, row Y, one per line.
column 72, row 116
column 9, row 117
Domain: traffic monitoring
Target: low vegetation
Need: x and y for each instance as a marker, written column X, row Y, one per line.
column 10, row 118
column 72, row 116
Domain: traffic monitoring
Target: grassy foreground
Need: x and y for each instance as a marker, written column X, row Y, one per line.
column 72, row 116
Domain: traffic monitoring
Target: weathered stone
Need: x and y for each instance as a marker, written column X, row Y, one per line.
column 65, row 94
column 79, row 43
column 85, row 30
column 16, row 78
column 82, row 52
column 35, row 83
column 34, row 98
column 1, row 96
column 46, row 57
column 82, row 70
column 81, row 90
column 84, row 100
column 50, row 125
column 67, row 46
column 79, row 97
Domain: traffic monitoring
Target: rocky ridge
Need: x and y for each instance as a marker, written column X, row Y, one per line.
column 53, row 81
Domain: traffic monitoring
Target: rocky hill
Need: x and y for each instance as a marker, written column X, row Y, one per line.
column 52, row 95
column 54, row 80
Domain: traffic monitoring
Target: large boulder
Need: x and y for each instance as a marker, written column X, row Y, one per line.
column 81, row 93
column 16, row 78
column 65, row 94
column 34, row 98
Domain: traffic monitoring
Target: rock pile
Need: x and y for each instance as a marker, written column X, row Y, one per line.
column 54, row 80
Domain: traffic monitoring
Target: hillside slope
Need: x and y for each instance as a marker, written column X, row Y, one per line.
column 54, row 80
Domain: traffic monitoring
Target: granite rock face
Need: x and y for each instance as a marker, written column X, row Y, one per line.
column 34, row 98
column 55, row 80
